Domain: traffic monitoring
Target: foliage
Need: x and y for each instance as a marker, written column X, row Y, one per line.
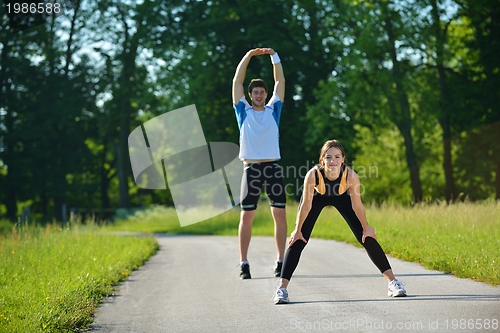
column 418, row 77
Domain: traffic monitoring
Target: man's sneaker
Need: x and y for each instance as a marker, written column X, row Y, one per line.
column 245, row 271
column 281, row 296
column 396, row 289
column 277, row 269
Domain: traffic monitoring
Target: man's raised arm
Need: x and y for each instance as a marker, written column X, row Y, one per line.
column 279, row 76
column 239, row 76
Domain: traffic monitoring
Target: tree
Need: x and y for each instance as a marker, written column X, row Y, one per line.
column 373, row 78
column 213, row 36
column 476, row 79
column 446, row 103
column 485, row 18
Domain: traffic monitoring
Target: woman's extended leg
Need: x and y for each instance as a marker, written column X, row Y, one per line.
column 373, row 248
column 292, row 254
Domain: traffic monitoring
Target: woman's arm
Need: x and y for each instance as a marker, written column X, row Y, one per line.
column 357, row 205
column 304, row 208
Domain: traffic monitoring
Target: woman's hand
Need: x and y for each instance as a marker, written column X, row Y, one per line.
column 369, row 232
column 295, row 236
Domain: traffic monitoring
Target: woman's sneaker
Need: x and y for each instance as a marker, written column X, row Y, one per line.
column 396, row 289
column 281, row 296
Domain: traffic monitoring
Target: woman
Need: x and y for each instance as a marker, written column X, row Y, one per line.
column 332, row 183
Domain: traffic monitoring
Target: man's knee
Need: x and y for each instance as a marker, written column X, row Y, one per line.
column 247, row 217
column 279, row 214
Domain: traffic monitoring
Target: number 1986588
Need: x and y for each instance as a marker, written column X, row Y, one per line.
column 471, row 324
column 34, row 8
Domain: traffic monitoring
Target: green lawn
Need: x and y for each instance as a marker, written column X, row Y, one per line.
column 51, row 279
column 462, row 239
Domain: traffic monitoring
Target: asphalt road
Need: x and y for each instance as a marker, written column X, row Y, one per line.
column 192, row 285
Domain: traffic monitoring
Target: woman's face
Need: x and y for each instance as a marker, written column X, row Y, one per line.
column 333, row 159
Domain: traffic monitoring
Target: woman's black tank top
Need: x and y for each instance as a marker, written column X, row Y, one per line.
column 331, row 186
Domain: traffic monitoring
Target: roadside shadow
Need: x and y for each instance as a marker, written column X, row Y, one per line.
column 350, row 276
column 450, row 297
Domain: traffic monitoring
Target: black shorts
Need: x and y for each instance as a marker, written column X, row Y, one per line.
column 257, row 175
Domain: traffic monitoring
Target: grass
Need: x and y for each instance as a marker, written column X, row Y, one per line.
column 462, row 239
column 5, row 226
column 51, row 279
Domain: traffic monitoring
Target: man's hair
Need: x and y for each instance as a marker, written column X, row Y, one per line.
column 257, row 83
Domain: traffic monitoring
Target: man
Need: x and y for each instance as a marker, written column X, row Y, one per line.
column 259, row 151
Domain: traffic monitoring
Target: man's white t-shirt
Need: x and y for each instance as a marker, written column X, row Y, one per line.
column 259, row 134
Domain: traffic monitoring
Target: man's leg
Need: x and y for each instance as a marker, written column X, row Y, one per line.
column 275, row 190
column 280, row 230
column 245, row 232
column 250, row 193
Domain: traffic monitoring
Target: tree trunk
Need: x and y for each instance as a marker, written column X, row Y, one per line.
column 129, row 54
column 69, row 47
column 411, row 159
column 44, row 200
column 404, row 128
column 59, row 201
column 122, row 173
column 450, row 189
column 105, row 179
column 402, row 119
column 445, row 103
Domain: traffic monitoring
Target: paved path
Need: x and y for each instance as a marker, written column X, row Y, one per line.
column 192, row 285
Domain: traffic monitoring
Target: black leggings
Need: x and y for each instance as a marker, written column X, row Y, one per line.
column 344, row 206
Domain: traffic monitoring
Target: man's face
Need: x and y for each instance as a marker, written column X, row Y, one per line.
column 258, row 96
